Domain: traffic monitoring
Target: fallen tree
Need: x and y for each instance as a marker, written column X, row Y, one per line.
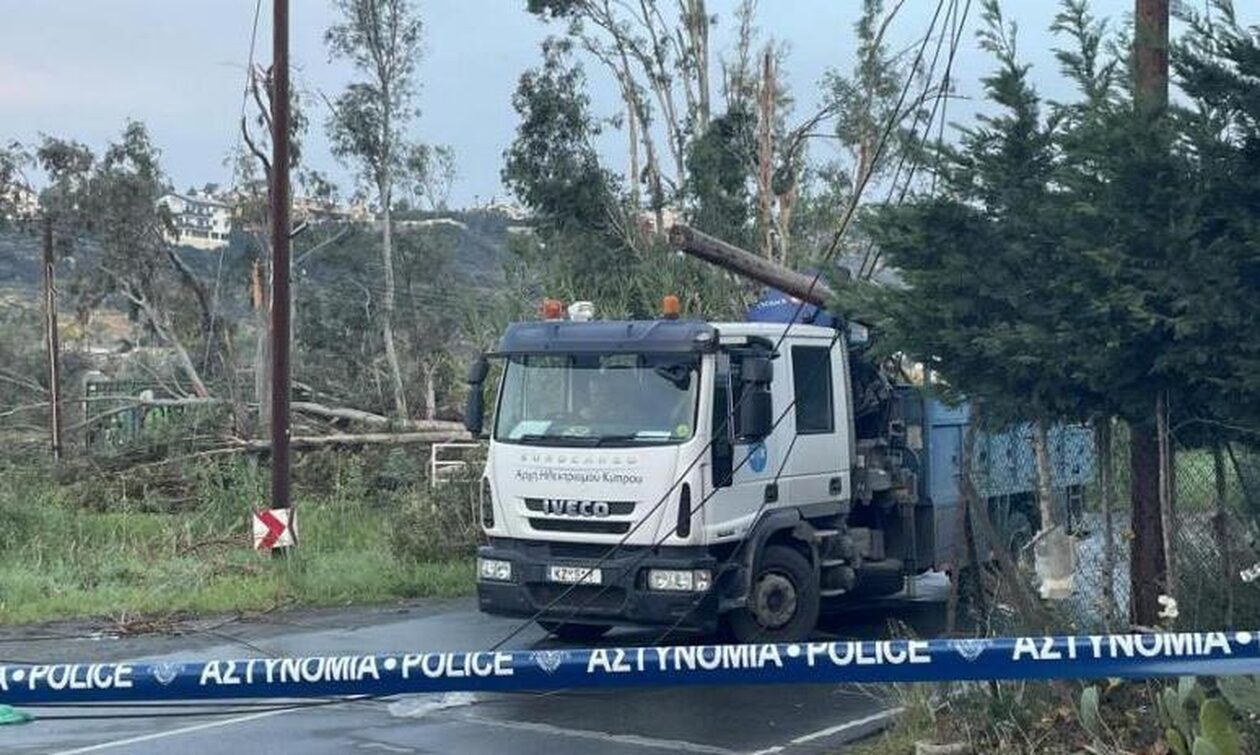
column 348, row 414
column 307, row 442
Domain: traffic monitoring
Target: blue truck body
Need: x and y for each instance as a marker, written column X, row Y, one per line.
column 1001, row 463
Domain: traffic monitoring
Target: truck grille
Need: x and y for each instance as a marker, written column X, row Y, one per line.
column 615, row 508
column 590, row 526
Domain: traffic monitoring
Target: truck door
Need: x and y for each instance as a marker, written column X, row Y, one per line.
column 740, row 471
column 818, row 468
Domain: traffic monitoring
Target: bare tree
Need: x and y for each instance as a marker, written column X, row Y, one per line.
column 381, row 38
column 251, row 208
column 430, row 172
column 656, row 57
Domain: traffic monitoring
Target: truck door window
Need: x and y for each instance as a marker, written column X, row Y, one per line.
column 722, row 398
column 723, row 449
column 811, row 380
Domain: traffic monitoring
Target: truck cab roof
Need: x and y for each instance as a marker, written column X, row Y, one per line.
column 643, row 336
column 734, row 332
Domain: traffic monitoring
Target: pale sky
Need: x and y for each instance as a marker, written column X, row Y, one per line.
column 80, row 68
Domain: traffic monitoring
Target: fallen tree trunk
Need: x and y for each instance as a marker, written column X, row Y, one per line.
column 377, row 420
column 306, row 407
column 306, row 442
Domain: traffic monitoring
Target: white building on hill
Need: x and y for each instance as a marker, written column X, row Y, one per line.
column 201, row 220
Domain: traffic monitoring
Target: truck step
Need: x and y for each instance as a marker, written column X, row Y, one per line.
column 824, row 534
column 828, row 563
column 832, row 592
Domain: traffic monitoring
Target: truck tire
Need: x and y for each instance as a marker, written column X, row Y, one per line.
column 782, row 601
column 575, row 632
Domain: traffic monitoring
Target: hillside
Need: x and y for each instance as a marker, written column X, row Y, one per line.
column 477, row 241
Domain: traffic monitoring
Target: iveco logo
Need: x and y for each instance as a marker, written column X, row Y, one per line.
column 564, row 507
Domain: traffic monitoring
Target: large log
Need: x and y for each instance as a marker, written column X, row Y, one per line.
column 353, row 439
column 729, row 257
column 377, row 420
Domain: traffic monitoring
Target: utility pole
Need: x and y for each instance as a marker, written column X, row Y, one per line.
column 1148, row 567
column 1150, row 56
column 765, row 154
column 51, row 340
column 811, row 289
column 280, row 256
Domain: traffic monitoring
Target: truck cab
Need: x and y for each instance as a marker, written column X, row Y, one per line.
column 685, row 474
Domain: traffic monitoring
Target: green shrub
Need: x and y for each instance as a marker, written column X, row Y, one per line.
column 438, row 524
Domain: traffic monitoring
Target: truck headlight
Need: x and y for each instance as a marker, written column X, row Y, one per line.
column 494, row 570
column 680, row 580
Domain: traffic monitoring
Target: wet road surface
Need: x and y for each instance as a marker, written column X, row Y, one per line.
column 791, row 719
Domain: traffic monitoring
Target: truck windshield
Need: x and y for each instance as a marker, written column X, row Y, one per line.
column 598, row 399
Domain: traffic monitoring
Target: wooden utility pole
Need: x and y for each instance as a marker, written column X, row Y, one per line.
column 1148, row 567
column 51, row 340
column 808, row 288
column 765, row 155
column 280, row 256
column 1150, row 56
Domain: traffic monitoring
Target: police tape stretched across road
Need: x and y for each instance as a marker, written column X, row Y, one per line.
column 1063, row 657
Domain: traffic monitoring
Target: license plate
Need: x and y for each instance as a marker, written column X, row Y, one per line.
column 572, row 575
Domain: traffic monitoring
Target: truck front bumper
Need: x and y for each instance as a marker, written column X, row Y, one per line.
column 622, row 597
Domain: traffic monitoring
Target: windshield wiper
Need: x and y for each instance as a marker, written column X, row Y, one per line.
column 636, row 438
column 559, row 440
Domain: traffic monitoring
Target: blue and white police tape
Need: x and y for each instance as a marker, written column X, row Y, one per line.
column 1066, row 657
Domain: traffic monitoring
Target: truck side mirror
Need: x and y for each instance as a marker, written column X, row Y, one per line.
column 756, row 412
column 474, row 410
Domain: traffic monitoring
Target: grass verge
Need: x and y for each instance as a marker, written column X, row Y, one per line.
column 62, row 558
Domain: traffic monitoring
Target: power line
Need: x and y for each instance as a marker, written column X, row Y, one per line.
column 866, row 267
column 834, row 246
column 940, row 94
column 218, row 274
column 828, row 256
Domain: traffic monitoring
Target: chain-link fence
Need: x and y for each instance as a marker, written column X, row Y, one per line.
column 1212, row 525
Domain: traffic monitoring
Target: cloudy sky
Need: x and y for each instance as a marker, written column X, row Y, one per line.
column 80, row 68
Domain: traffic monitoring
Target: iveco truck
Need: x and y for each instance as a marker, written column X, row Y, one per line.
column 687, row 474
column 681, row 473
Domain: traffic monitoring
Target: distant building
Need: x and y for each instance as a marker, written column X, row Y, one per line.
column 509, row 210
column 326, row 211
column 201, row 220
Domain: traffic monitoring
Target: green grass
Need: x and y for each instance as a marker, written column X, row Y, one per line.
column 60, row 559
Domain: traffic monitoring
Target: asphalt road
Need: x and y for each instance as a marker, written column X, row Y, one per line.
column 797, row 719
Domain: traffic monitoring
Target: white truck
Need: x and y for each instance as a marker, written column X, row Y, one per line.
column 681, row 473
column 636, row 474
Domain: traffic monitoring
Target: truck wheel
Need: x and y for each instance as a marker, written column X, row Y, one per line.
column 782, row 600
column 575, row 632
